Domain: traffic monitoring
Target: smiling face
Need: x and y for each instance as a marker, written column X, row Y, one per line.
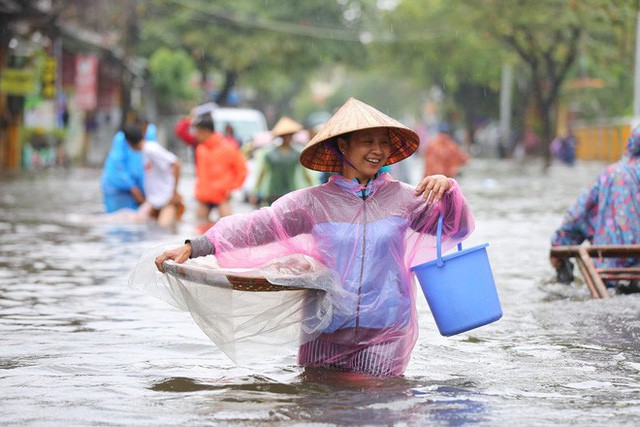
column 367, row 150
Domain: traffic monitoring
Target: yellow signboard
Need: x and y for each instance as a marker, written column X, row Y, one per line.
column 49, row 78
column 15, row 81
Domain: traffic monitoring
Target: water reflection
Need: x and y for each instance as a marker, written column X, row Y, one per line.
column 336, row 399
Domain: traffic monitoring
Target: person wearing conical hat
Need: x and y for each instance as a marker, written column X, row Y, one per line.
column 363, row 225
column 280, row 172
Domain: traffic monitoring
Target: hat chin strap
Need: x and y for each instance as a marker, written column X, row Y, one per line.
column 339, row 155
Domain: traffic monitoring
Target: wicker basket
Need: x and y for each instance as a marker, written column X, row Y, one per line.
column 238, row 283
column 257, row 284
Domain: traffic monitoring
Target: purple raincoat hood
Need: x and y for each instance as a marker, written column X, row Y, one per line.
column 633, row 143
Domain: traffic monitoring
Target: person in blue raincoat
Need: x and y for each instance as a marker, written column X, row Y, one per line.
column 122, row 180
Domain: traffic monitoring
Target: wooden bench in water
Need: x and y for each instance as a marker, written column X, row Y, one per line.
column 595, row 277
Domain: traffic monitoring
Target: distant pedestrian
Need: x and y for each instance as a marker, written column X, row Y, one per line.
column 162, row 173
column 280, row 170
column 183, row 131
column 122, row 180
column 220, row 169
column 563, row 147
column 229, row 134
column 442, row 155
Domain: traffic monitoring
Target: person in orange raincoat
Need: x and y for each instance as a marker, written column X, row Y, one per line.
column 442, row 155
column 220, row 169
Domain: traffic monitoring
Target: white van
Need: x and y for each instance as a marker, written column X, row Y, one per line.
column 245, row 122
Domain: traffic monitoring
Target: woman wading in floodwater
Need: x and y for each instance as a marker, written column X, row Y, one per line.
column 362, row 224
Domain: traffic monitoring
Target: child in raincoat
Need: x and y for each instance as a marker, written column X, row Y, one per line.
column 363, row 225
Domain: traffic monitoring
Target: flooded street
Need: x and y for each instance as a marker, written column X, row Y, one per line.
column 79, row 347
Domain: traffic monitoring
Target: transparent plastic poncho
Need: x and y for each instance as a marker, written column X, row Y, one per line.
column 349, row 252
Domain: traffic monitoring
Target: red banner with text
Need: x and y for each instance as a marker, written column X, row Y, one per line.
column 86, row 82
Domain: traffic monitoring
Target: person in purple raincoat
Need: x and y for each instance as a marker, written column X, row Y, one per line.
column 362, row 224
column 607, row 213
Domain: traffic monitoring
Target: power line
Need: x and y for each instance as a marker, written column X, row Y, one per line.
column 275, row 26
column 229, row 19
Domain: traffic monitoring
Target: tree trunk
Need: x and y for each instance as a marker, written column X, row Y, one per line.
column 125, row 95
column 126, row 77
column 545, row 112
column 203, row 68
column 230, row 78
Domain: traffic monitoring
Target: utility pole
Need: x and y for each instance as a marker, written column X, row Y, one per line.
column 506, row 94
column 130, row 40
column 636, row 75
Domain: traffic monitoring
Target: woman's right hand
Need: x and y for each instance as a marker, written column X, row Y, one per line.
column 179, row 255
column 433, row 187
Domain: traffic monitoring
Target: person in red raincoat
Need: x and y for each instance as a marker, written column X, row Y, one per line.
column 442, row 155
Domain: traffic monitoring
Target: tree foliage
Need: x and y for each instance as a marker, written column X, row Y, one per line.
column 239, row 40
column 461, row 47
column 548, row 36
column 170, row 73
column 433, row 45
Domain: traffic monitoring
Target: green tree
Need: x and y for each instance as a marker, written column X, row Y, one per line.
column 245, row 41
column 461, row 46
column 431, row 44
column 170, row 72
column 548, row 36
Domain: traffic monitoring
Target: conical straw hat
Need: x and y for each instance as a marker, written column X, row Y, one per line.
column 319, row 153
column 285, row 126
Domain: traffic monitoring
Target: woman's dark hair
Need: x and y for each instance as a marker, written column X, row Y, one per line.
column 204, row 121
column 133, row 134
column 333, row 142
column 346, row 136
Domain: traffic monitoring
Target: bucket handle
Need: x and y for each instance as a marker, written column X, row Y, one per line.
column 440, row 261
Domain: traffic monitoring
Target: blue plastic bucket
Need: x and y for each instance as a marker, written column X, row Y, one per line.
column 459, row 288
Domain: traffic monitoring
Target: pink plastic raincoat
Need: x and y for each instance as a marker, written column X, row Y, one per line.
column 370, row 236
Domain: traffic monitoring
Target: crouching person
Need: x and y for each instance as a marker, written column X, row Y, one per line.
column 162, row 173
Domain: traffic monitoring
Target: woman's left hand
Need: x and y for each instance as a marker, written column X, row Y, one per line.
column 433, row 187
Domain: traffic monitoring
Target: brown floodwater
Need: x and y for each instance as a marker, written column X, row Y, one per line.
column 79, row 347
